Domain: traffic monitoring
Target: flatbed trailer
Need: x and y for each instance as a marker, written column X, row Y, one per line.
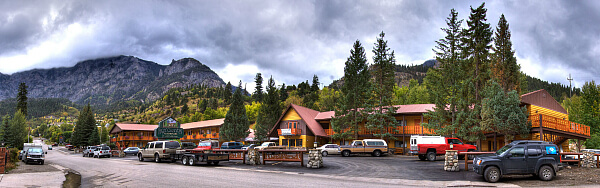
column 192, row 158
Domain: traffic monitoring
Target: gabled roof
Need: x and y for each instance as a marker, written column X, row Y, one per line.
column 201, row 124
column 307, row 115
column 543, row 99
column 132, row 127
column 402, row 109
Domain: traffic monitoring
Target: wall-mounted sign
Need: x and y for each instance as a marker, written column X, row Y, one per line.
column 285, row 132
column 168, row 128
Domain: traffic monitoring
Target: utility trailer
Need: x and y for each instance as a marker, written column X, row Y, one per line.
column 201, row 154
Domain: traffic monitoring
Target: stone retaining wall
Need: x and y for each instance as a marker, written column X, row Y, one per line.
column 451, row 163
column 315, row 159
column 587, row 160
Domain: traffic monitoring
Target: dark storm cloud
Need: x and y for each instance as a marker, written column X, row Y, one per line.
column 291, row 40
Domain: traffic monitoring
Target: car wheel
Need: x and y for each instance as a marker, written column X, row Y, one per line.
column 324, row 153
column 140, row 157
column 492, row 174
column 377, row 153
column 215, row 163
column 422, row 157
column 431, row 156
column 184, row 161
column 191, row 161
column 156, row 158
column 346, row 153
column 546, row 173
column 42, row 162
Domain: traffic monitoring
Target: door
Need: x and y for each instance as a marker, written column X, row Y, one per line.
column 515, row 163
column 148, row 151
column 457, row 145
column 358, row 147
column 534, row 153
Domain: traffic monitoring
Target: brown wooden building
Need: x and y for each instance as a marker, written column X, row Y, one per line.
column 132, row 135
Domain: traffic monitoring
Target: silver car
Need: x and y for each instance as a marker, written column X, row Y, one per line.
column 329, row 149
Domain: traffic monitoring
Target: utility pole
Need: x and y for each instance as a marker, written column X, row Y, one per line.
column 570, row 88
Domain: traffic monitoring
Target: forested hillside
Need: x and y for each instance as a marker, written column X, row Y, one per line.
column 37, row 107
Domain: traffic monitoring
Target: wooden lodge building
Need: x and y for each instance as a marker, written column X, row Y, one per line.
column 300, row 127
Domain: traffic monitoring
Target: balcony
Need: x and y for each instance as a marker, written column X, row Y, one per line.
column 412, row 129
column 560, row 124
column 289, row 132
column 135, row 138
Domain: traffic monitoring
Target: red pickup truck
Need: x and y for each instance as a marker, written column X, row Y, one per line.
column 428, row 147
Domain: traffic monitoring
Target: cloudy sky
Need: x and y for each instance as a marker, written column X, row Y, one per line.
column 290, row 40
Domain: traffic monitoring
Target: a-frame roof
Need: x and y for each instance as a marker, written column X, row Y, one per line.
column 307, row 115
column 543, row 99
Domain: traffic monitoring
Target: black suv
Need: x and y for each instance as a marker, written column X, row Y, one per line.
column 520, row 157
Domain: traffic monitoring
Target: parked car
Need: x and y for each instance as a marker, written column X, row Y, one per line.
column 429, row 147
column 159, row 150
column 69, row 147
column 520, row 157
column 131, row 150
column 34, row 155
column 232, row 145
column 375, row 147
column 188, row 145
column 205, row 146
column 26, row 147
column 269, row 145
column 329, row 149
column 102, row 151
column 89, row 151
column 55, row 144
column 249, row 146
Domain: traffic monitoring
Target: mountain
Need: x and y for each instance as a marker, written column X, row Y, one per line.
column 110, row 81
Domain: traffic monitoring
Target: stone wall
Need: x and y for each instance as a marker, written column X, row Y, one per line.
column 315, row 159
column 587, row 160
column 451, row 163
column 253, row 157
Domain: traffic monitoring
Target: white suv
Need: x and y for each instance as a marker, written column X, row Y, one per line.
column 102, row 151
column 159, row 150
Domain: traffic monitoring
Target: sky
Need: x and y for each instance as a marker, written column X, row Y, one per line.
column 288, row 40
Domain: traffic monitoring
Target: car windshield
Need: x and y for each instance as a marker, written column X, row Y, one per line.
column 204, row 144
column 35, row 150
column 172, row 145
column 503, row 149
column 265, row 144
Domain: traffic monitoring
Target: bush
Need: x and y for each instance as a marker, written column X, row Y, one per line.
column 593, row 142
column 13, row 158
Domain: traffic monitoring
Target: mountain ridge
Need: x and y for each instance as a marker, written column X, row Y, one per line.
column 104, row 81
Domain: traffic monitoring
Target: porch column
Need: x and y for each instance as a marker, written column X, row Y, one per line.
column 421, row 124
column 403, row 134
column 541, row 129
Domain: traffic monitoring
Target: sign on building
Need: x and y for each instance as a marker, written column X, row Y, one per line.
column 286, row 132
column 168, row 128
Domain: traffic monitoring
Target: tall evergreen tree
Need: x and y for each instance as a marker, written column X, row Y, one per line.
column 269, row 112
column 258, row 91
column 355, row 92
column 104, row 137
column 312, row 96
column 476, row 39
column 22, row 99
column 17, row 132
column 228, row 93
column 384, row 64
column 4, row 125
column 236, row 124
column 203, row 105
column 505, row 69
column 590, row 93
column 445, row 83
column 283, row 95
column 83, row 130
column 501, row 113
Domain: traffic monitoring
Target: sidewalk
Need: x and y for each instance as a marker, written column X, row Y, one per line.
column 50, row 178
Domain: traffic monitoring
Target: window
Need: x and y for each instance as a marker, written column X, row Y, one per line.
column 534, row 150
column 518, row 152
column 284, row 142
column 298, row 142
column 400, row 123
column 358, row 143
column 151, row 145
column 292, row 125
column 172, row 145
column 399, row 144
column 454, row 141
column 208, row 131
column 158, row 145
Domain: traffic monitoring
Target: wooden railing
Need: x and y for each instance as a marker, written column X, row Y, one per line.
column 200, row 136
column 559, row 124
column 411, row 129
column 283, row 155
column 132, row 138
column 293, row 131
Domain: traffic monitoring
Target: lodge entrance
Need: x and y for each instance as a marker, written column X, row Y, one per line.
column 291, row 142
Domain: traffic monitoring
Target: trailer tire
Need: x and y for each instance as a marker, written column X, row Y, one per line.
column 184, row 161
column 431, row 156
column 190, row 161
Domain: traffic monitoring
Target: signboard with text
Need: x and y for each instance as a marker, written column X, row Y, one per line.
column 286, row 132
column 168, row 128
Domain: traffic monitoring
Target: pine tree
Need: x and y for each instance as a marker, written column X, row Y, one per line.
column 17, row 132
column 22, row 99
column 236, row 124
column 355, row 92
column 104, row 137
column 185, row 109
column 228, row 93
column 590, row 94
column 505, row 69
column 203, row 105
column 283, row 95
column 381, row 112
column 501, row 113
column 92, row 129
column 445, row 83
column 268, row 113
column 4, row 125
column 258, row 92
column 312, row 96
